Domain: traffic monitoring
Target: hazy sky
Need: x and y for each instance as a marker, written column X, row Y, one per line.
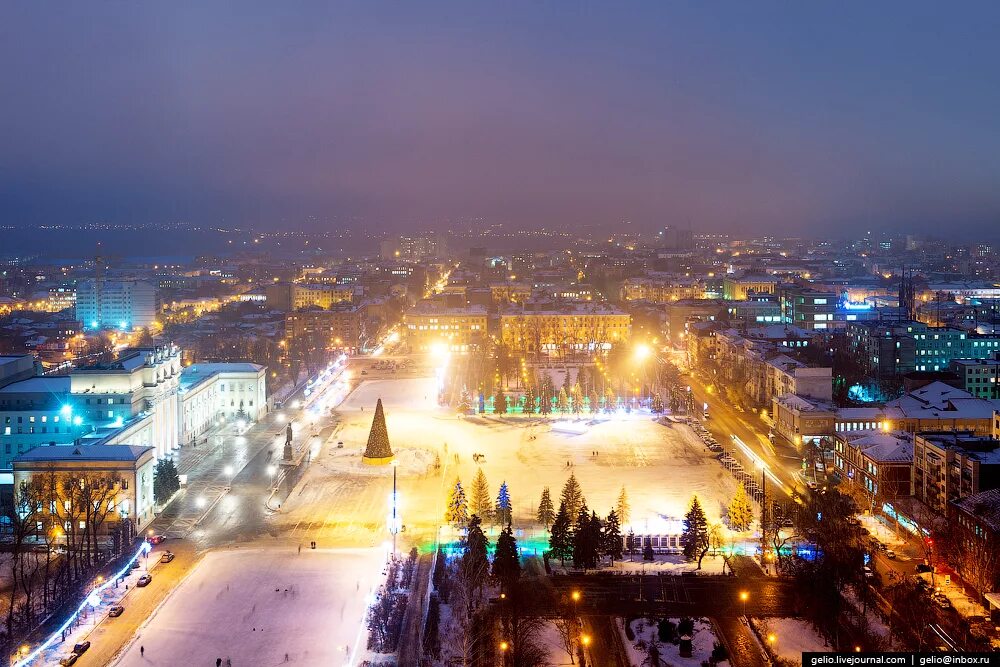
column 745, row 116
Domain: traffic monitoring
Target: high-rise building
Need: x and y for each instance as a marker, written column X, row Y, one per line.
column 122, row 304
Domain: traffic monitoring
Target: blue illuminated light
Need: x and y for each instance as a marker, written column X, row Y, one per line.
column 854, row 305
column 89, row 601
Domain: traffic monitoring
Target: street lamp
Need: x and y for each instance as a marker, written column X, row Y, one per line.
column 394, row 520
column 228, row 471
column 744, row 596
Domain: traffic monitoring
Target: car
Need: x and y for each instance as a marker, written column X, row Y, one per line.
column 81, row 648
column 924, row 567
column 705, row 415
column 116, row 611
column 364, row 372
column 156, row 539
column 144, row 580
column 868, row 572
column 890, row 554
column 812, row 485
column 942, row 602
column 69, row 660
column 167, row 557
column 135, row 564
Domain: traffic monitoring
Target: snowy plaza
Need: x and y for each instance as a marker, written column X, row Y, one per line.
column 254, row 606
column 342, row 502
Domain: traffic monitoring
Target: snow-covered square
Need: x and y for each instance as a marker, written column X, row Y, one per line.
column 254, row 606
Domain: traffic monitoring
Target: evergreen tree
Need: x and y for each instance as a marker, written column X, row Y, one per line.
column 586, row 539
column 595, row 403
column 572, row 496
column 561, row 535
column 612, row 538
column 504, row 508
column 166, row 481
column 623, row 509
column 475, row 563
column 506, row 562
column 740, row 510
column 647, row 550
column 500, row 403
column 657, row 404
column 577, row 399
column 457, row 511
column 567, row 381
column 545, row 404
column 530, row 400
column 546, row 512
column 694, row 538
column 481, row 504
column 545, row 394
column 562, row 403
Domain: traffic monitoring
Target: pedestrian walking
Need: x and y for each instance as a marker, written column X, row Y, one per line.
column 142, row 651
column 300, row 549
column 218, row 662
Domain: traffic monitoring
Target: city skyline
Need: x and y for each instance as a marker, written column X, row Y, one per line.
column 732, row 119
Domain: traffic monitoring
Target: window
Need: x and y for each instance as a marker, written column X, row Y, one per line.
column 83, row 525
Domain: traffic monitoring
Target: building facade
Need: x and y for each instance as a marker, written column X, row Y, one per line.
column 573, row 329
column 951, row 465
column 120, row 304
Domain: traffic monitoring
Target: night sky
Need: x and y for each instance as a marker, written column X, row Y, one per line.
column 740, row 117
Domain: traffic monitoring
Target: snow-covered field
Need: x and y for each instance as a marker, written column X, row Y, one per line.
column 792, row 637
column 702, row 642
column 254, row 606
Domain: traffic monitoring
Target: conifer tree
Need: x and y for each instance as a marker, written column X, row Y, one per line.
column 562, row 402
column 623, row 509
column 561, row 535
column 506, row 562
column 612, row 538
column 595, row 403
column 694, row 538
column 740, row 510
column 546, row 512
column 657, row 404
column 572, row 496
column 480, row 503
column 500, row 403
column 457, row 511
column 504, row 509
column 530, row 400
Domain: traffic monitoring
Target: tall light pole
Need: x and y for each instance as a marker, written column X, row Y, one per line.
column 394, row 525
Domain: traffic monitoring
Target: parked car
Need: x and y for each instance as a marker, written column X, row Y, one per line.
column 941, row 601
column 156, row 539
column 69, row 660
column 81, row 648
column 134, row 564
column 144, row 580
column 924, row 567
column 868, row 572
column 167, row 557
column 890, row 554
column 116, row 611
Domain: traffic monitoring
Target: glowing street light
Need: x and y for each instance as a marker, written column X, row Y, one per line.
column 642, row 352
column 744, row 596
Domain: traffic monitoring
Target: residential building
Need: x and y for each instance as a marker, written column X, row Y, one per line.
column 339, row 328
column 876, row 465
column 680, row 313
column 739, row 288
column 951, row 465
column 661, row 289
column 120, row 304
column 510, row 292
column 979, row 377
column 295, row 296
column 888, row 350
column 806, row 307
column 564, row 329
column 975, row 522
column 429, row 326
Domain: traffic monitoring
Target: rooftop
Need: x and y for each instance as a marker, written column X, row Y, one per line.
column 197, row 373
column 84, row 453
column 56, row 384
column 984, row 506
column 883, row 447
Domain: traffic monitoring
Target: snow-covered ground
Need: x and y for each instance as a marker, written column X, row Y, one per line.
column 791, row 637
column 702, row 642
column 254, row 606
column 665, row 563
